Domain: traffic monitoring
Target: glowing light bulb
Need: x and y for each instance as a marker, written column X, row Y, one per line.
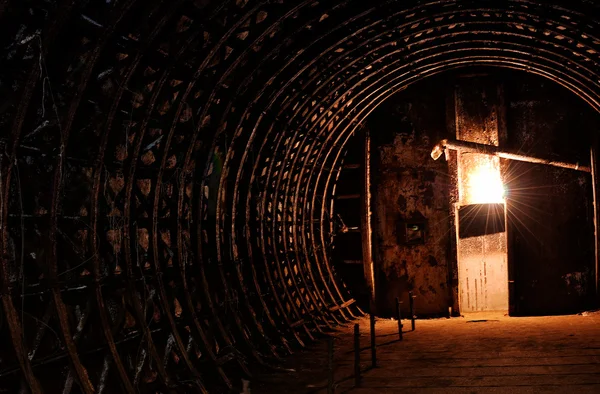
column 485, row 184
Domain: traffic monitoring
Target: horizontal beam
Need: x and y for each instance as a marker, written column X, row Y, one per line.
column 492, row 150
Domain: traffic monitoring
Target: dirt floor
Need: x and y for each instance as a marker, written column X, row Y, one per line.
column 488, row 353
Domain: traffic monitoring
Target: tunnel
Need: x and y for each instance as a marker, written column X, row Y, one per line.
column 191, row 189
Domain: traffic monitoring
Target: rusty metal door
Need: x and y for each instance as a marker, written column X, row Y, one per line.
column 552, row 239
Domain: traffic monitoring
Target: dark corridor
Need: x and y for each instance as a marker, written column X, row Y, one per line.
column 173, row 174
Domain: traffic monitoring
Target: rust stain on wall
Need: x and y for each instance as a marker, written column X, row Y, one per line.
column 407, row 186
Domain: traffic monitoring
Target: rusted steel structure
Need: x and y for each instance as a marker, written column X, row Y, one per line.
column 465, row 146
column 168, row 169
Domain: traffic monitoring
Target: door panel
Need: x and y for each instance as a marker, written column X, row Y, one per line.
column 551, row 225
column 482, row 258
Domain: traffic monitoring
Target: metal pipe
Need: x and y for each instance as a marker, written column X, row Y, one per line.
column 594, row 167
column 411, row 300
column 366, row 230
column 399, row 313
column 492, row 150
column 373, row 344
column 356, row 355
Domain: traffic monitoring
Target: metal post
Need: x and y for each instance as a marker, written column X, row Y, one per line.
column 594, row 167
column 356, row 355
column 399, row 318
column 373, row 344
column 330, row 365
column 365, row 222
column 411, row 300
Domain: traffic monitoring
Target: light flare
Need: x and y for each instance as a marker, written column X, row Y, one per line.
column 484, row 184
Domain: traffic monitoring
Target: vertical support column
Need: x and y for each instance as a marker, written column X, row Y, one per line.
column 452, row 159
column 482, row 259
column 594, row 167
column 366, row 232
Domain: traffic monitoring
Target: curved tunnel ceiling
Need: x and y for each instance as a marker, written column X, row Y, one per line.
column 168, row 169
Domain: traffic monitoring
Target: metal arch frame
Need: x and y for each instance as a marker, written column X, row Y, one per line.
column 97, row 178
column 294, row 124
column 12, row 318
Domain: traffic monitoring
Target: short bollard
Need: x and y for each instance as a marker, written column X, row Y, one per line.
column 399, row 313
column 330, row 365
column 411, row 299
column 356, row 355
column 373, row 344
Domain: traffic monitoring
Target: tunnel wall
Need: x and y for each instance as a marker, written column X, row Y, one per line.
column 168, row 168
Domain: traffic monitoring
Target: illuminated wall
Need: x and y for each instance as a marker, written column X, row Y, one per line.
column 482, row 258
